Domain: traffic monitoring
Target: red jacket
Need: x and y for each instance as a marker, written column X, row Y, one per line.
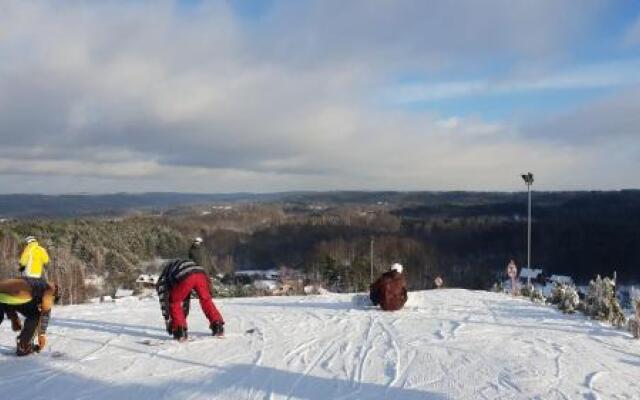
column 390, row 291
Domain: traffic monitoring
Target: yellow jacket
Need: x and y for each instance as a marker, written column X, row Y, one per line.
column 33, row 259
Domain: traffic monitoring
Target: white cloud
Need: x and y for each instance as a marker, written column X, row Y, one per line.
column 73, row 168
column 614, row 74
column 611, row 121
column 137, row 96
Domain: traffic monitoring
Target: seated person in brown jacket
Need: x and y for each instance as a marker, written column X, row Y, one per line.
column 390, row 290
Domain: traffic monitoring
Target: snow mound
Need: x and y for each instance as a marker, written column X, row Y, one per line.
column 445, row 344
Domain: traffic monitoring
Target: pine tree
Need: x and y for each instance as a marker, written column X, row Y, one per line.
column 601, row 302
column 565, row 297
column 634, row 324
column 526, row 290
column 537, row 296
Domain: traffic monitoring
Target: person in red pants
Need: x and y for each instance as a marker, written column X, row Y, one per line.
column 178, row 280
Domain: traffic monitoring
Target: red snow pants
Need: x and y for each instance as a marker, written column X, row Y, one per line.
column 200, row 283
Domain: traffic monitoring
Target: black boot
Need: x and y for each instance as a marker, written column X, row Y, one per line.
column 180, row 334
column 217, row 328
column 24, row 349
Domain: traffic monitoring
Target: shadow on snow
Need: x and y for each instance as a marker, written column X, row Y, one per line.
column 234, row 382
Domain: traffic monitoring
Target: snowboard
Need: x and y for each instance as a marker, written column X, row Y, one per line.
column 192, row 339
column 52, row 354
column 159, row 342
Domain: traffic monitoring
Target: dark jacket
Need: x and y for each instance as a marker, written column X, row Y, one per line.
column 199, row 254
column 390, row 291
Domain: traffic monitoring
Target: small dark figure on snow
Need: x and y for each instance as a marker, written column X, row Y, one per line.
column 33, row 298
column 178, row 279
column 390, row 290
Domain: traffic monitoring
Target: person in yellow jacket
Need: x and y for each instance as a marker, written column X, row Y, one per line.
column 33, row 298
column 34, row 259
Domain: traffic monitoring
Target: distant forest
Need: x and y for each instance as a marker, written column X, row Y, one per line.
column 465, row 237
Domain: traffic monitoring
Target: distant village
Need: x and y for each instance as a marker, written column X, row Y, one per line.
column 271, row 282
column 285, row 281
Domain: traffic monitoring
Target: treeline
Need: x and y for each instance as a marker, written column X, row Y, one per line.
column 467, row 238
column 581, row 235
column 115, row 250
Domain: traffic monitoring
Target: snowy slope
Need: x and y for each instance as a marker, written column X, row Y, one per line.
column 447, row 344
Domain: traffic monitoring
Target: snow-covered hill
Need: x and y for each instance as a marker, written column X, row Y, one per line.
column 446, row 344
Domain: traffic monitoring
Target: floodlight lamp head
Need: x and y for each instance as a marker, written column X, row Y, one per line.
column 528, row 178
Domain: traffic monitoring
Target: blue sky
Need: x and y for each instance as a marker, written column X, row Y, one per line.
column 600, row 60
column 251, row 10
column 277, row 95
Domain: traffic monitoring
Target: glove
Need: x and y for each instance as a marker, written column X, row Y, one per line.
column 21, row 268
column 42, row 341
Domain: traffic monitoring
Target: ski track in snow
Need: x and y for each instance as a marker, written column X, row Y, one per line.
column 445, row 344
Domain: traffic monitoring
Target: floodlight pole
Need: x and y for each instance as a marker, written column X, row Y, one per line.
column 529, row 234
column 528, row 180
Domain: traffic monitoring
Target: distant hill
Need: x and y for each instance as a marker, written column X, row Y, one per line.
column 29, row 205
column 469, row 203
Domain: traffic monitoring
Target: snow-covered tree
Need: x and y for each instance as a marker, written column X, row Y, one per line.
column 537, row 296
column 601, row 302
column 565, row 297
column 530, row 291
column 634, row 324
column 526, row 290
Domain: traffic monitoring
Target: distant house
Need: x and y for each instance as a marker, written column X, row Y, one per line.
column 269, row 274
column 567, row 280
column 527, row 274
column 145, row 281
column 94, row 280
column 122, row 293
column 264, row 284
